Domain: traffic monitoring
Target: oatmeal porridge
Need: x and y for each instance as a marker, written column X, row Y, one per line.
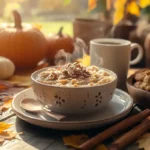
column 74, row 75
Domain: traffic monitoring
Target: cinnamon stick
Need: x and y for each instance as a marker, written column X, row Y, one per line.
column 115, row 129
column 131, row 136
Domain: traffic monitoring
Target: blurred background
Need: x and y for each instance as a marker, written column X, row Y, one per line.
column 48, row 14
column 51, row 14
column 86, row 19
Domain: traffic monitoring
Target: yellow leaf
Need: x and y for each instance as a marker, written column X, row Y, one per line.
column 144, row 142
column 133, row 8
column 118, row 16
column 37, row 26
column 7, row 135
column 4, row 126
column 119, row 11
column 101, row 147
column 21, row 80
column 75, row 140
column 91, row 4
column 6, row 105
column 144, row 3
column 85, row 60
column 119, row 4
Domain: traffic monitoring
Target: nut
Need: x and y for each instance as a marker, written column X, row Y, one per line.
column 74, row 74
column 63, row 81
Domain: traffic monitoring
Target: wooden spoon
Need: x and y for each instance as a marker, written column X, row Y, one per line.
column 34, row 106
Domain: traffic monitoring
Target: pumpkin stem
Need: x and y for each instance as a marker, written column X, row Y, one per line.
column 60, row 32
column 17, row 19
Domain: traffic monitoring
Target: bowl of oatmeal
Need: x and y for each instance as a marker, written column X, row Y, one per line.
column 74, row 88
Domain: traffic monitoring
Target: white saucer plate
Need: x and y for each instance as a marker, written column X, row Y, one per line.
column 120, row 105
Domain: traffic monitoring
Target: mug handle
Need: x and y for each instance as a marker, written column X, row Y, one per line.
column 140, row 53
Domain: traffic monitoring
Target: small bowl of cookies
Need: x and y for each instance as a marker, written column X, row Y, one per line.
column 138, row 86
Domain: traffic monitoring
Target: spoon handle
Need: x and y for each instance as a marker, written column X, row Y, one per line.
column 56, row 116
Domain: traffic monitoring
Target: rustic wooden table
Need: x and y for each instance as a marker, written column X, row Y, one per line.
column 37, row 138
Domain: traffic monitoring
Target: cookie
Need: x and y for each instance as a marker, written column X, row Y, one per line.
column 139, row 75
column 142, row 79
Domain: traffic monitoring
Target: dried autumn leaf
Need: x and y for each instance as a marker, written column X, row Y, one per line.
column 8, row 94
column 5, row 97
column 91, row 4
column 75, row 140
column 6, row 105
column 85, row 60
column 119, row 11
column 7, row 135
column 144, row 3
column 101, row 147
column 4, row 85
column 133, row 8
column 144, row 142
column 4, row 126
column 21, row 80
column 118, row 16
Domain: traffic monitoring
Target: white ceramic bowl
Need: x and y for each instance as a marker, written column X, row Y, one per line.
column 73, row 100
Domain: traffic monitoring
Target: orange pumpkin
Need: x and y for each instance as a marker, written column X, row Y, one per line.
column 57, row 42
column 22, row 44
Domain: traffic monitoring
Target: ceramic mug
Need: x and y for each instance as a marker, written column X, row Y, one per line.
column 114, row 54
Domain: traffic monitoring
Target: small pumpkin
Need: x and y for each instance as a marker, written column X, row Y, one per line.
column 7, row 68
column 24, row 45
column 57, row 42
